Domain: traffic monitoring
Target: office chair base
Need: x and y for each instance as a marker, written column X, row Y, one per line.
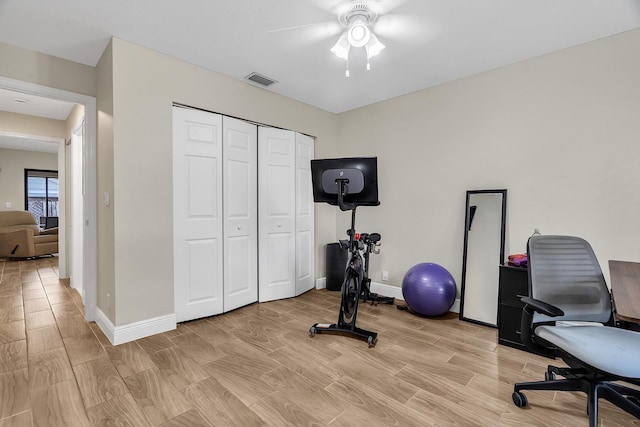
column 625, row 398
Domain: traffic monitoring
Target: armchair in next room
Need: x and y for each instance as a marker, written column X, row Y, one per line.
column 20, row 236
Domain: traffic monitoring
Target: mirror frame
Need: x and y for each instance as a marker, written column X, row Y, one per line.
column 467, row 223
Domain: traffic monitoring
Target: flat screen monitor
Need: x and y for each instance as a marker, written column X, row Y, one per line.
column 359, row 177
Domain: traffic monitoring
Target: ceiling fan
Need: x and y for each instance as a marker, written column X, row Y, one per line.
column 357, row 22
column 357, row 19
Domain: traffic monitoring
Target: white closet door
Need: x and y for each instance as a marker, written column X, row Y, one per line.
column 197, row 213
column 304, row 215
column 276, row 204
column 240, row 213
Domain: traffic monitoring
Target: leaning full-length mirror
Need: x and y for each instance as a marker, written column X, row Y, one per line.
column 483, row 254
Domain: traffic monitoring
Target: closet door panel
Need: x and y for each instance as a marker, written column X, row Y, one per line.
column 203, row 255
column 276, row 189
column 240, row 285
column 240, row 213
column 279, row 247
column 305, row 264
column 242, row 193
column 197, row 213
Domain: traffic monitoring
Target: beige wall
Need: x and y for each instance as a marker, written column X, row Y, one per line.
column 74, row 120
column 13, row 163
column 33, row 67
column 104, row 158
column 31, row 125
column 560, row 132
column 145, row 84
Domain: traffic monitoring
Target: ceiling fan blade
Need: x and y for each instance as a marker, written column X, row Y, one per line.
column 382, row 7
column 400, row 27
column 326, row 25
column 330, row 6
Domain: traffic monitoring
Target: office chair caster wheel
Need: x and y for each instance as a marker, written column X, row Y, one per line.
column 549, row 376
column 371, row 341
column 519, row 399
column 312, row 331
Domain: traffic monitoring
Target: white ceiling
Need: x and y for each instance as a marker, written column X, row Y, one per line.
column 24, row 103
column 428, row 42
column 14, row 141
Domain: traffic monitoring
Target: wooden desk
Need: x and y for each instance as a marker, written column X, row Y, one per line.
column 625, row 287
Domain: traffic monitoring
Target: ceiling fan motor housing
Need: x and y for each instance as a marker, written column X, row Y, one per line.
column 357, row 12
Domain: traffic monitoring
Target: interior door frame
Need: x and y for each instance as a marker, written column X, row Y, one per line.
column 89, row 155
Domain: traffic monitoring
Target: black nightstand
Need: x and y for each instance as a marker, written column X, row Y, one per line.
column 513, row 285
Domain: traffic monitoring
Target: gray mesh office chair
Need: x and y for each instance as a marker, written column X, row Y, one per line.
column 566, row 284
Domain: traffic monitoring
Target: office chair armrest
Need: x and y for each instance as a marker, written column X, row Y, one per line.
column 526, row 324
column 542, row 307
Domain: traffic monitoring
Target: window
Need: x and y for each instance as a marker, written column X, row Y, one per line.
column 41, row 196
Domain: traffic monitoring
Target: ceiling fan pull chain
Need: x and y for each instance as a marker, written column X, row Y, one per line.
column 366, row 48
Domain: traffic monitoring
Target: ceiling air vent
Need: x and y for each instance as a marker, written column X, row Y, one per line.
column 260, row 79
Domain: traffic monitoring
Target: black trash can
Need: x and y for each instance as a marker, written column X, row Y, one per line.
column 336, row 261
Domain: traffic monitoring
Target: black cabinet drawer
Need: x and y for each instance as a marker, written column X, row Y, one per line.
column 514, row 284
column 509, row 323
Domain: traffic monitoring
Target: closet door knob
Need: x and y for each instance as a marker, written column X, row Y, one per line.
column 279, row 225
column 239, row 227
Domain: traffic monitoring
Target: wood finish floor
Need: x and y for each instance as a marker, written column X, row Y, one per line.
column 258, row 366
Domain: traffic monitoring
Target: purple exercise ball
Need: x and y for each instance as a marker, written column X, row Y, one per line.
column 429, row 289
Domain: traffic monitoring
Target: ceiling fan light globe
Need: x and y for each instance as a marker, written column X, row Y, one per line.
column 359, row 34
column 374, row 46
column 341, row 48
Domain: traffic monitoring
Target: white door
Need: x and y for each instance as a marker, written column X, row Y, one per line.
column 276, row 204
column 76, row 220
column 304, row 215
column 240, row 140
column 197, row 213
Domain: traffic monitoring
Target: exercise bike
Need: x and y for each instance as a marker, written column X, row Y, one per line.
column 349, row 183
column 354, row 283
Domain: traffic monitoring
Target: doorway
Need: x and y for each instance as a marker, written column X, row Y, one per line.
column 88, row 179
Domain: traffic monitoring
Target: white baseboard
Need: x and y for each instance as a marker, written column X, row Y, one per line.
column 396, row 292
column 387, row 290
column 455, row 308
column 133, row 331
